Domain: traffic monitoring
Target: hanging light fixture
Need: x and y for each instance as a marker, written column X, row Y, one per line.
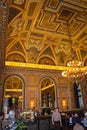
column 74, row 70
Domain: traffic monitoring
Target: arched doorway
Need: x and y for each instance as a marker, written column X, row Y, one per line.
column 48, row 93
column 13, row 92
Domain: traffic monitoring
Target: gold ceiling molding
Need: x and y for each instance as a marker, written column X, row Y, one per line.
column 36, row 66
column 34, row 25
column 81, row 1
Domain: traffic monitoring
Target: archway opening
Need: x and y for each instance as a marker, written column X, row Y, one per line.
column 13, row 93
column 48, row 93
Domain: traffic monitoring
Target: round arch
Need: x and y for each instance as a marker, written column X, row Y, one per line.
column 13, row 91
column 48, row 92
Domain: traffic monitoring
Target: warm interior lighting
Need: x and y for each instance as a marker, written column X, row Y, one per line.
column 13, row 90
column 32, row 103
column 74, row 63
column 64, row 103
column 38, row 66
column 49, row 86
column 75, row 71
column 20, row 97
column 7, row 96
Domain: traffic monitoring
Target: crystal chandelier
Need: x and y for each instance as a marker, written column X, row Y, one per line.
column 74, row 70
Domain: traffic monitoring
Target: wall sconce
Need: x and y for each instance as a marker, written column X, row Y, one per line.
column 32, row 104
column 64, row 104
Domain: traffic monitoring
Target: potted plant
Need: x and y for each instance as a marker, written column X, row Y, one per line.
column 19, row 123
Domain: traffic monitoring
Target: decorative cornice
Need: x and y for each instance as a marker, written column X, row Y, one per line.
column 35, row 66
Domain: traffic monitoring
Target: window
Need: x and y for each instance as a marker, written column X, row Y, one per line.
column 78, row 96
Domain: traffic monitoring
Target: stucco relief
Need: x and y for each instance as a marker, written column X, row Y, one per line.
column 34, row 43
column 16, row 26
column 32, row 55
column 62, row 48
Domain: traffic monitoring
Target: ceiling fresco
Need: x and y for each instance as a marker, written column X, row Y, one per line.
column 38, row 31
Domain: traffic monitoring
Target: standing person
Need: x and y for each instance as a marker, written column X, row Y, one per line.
column 85, row 121
column 56, row 119
column 75, row 119
column 70, row 121
column 65, row 121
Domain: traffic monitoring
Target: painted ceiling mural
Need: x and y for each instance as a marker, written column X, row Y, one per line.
column 38, row 31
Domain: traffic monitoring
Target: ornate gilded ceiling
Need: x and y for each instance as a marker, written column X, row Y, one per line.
column 37, row 31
